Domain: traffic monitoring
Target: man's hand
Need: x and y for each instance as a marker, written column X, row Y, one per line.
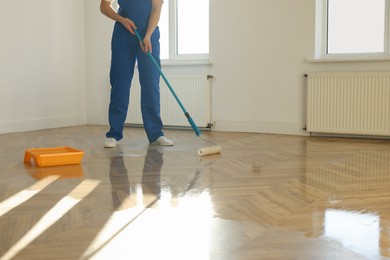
column 128, row 24
column 146, row 45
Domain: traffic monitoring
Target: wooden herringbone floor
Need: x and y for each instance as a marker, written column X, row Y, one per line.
column 263, row 197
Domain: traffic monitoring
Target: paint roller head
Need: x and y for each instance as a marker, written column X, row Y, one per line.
column 209, row 150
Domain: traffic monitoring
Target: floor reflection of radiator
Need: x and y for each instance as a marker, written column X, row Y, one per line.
column 349, row 103
column 192, row 90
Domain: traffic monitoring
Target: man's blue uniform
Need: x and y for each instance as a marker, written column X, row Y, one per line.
column 125, row 52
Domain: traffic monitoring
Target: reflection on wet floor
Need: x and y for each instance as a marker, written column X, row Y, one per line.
column 357, row 231
column 263, row 197
column 64, row 171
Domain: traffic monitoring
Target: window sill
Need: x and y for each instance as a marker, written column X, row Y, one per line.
column 166, row 63
column 335, row 60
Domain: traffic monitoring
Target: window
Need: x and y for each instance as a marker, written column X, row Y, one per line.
column 184, row 27
column 352, row 28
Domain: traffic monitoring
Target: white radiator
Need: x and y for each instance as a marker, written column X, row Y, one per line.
column 193, row 91
column 356, row 103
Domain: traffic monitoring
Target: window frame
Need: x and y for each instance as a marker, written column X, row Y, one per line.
column 321, row 37
column 173, row 54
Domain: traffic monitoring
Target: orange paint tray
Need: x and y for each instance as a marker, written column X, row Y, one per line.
column 54, row 156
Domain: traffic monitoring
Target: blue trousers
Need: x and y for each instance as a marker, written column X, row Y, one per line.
column 125, row 51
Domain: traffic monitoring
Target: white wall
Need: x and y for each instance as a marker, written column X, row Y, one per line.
column 258, row 51
column 98, row 31
column 258, row 48
column 42, row 64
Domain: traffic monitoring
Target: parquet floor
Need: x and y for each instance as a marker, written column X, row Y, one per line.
column 263, row 197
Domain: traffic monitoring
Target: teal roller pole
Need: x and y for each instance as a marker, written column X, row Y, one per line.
column 190, row 120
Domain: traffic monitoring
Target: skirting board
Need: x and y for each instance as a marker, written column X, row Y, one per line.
column 38, row 124
column 260, row 127
column 231, row 126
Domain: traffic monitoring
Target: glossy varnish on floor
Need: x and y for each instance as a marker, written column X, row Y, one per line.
column 264, row 197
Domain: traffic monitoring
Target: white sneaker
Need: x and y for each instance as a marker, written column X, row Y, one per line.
column 110, row 143
column 162, row 140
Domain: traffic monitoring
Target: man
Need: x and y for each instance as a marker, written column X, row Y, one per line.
column 142, row 15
